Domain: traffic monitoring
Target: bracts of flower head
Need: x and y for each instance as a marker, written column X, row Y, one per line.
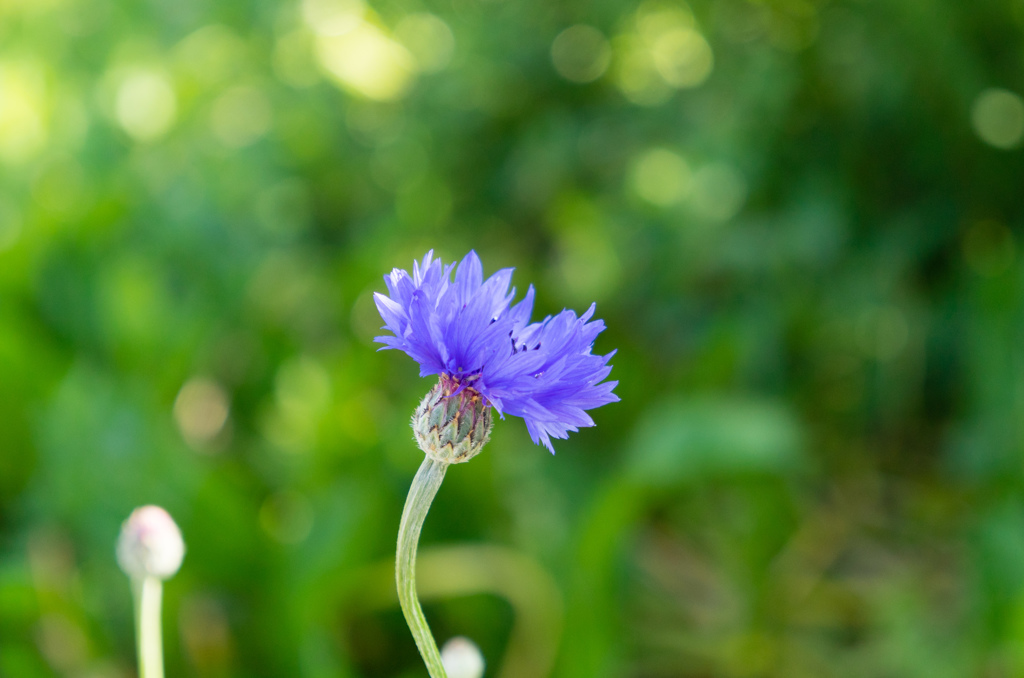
column 149, row 550
column 487, row 355
column 452, row 424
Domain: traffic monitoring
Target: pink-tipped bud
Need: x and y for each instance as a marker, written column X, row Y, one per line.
column 150, row 544
column 462, row 658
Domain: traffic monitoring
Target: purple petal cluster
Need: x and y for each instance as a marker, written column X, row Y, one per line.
column 467, row 330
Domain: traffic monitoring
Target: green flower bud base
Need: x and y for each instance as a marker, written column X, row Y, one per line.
column 452, row 428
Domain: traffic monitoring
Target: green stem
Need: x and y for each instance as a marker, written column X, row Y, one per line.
column 421, row 494
column 148, row 592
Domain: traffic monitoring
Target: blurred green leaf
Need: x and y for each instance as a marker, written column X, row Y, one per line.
column 684, row 441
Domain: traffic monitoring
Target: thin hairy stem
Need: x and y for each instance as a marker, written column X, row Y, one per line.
column 421, row 494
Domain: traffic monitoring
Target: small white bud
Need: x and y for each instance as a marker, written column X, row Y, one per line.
column 150, row 544
column 462, row 658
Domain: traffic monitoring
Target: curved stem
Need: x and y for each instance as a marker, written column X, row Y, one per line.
column 421, row 494
column 151, row 656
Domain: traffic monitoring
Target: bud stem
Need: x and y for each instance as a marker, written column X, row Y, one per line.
column 421, row 494
column 148, row 591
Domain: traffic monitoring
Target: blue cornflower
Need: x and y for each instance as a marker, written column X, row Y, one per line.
column 467, row 331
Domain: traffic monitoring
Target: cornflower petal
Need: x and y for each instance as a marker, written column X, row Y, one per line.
column 466, row 329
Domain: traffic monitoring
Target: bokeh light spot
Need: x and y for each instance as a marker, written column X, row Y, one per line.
column 333, row 17
column 719, row 191
column 240, row 116
column 997, row 116
column 201, row 411
column 22, row 98
column 665, row 52
column 429, row 39
column 588, row 265
column 661, row 177
column 581, row 53
column 303, row 387
column 366, row 61
column 636, row 75
column 654, row 17
column 302, row 395
column 683, row 57
column 146, row 105
column 211, row 54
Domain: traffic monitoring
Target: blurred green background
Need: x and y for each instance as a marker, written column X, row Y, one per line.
column 801, row 220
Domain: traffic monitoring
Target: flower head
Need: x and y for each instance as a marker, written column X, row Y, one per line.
column 150, row 544
column 467, row 330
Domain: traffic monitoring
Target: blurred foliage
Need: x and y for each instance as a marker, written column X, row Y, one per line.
column 801, row 220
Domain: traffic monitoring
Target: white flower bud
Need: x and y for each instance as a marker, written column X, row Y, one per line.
column 462, row 658
column 150, row 544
